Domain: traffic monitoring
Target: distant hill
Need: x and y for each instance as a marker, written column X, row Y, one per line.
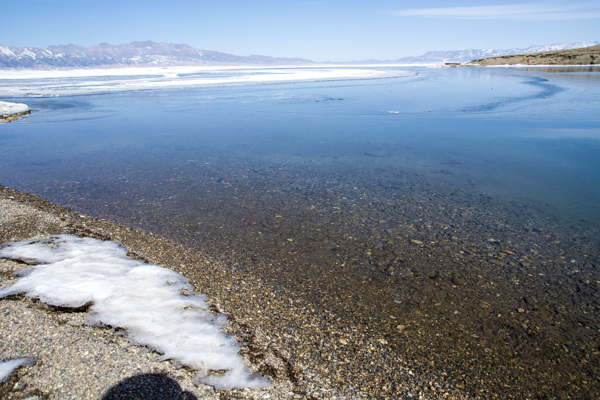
column 581, row 56
column 135, row 53
column 464, row 56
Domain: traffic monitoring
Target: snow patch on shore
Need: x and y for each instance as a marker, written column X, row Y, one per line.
column 155, row 306
column 8, row 109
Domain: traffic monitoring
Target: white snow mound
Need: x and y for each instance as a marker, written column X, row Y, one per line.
column 8, row 109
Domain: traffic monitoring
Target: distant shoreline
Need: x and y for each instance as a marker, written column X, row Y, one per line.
column 585, row 56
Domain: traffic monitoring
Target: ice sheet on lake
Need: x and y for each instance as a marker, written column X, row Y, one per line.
column 34, row 83
column 155, row 305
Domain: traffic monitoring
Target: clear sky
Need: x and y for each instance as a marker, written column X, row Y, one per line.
column 320, row 30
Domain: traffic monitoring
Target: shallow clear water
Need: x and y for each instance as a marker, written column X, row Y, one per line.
column 463, row 203
column 522, row 134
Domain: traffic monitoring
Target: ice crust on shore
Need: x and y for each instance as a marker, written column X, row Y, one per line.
column 8, row 367
column 155, row 306
column 8, row 109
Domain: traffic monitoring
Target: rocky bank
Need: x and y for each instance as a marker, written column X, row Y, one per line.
column 582, row 56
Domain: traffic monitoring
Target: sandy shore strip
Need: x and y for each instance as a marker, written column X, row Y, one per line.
column 74, row 360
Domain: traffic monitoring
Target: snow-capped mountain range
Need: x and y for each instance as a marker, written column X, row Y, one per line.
column 135, row 53
column 153, row 53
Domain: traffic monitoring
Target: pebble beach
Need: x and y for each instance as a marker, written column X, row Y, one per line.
column 75, row 361
column 71, row 359
column 305, row 348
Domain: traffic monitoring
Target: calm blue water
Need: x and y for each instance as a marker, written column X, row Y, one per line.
column 462, row 202
column 525, row 135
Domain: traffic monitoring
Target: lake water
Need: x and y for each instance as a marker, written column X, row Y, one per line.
column 521, row 134
column 357, row 194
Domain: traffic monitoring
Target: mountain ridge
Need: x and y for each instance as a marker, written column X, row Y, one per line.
column 141, row 53
column 150, row 53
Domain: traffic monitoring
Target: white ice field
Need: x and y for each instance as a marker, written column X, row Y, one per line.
column 48, row 83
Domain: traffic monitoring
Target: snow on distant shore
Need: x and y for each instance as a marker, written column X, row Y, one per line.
column 42, row 83
column 156, row 306
column 8, row 109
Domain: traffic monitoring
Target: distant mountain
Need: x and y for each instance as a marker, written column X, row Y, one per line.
column 135, row 53
column 463, row 56
column 163, row 54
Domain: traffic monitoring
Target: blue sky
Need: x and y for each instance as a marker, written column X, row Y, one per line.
column 321, row 30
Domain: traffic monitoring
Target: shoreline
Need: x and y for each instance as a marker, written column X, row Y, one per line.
column 525, row 65
column 309, row 351
column 253, row 308
column 583, row 56
column 101, row 359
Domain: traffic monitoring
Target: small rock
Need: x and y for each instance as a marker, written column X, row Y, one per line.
column 484, row 304
column 459, row 281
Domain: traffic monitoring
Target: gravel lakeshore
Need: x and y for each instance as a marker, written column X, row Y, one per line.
column 513, row 315
column 76, row 361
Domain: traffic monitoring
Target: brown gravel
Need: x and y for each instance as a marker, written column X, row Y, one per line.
column 73, row 360
column 302, row 349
